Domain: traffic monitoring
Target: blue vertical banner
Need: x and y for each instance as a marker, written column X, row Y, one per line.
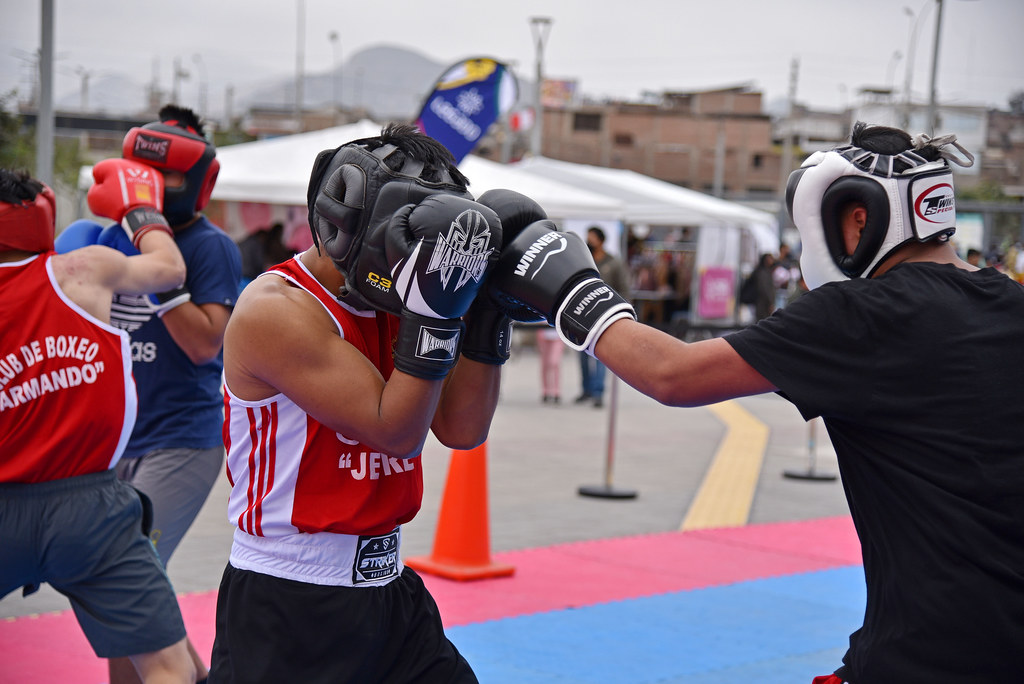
column 469, row 97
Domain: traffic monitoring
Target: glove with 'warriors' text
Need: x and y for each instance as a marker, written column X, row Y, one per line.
column 430, row 261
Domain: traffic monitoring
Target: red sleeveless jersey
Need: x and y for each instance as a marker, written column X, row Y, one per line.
column 288, row 473
column 67, row 398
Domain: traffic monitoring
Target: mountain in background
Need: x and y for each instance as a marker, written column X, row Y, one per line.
column 389, row 82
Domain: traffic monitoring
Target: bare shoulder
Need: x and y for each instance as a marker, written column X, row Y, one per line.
column 92, row 262
column 275, row 327
column 86, row 275
column 271, row 298
column 272, row 308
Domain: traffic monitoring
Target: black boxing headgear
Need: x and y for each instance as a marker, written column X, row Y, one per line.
column 27, row 224
column 346, row 193
column 906, row 197
column 175, row 146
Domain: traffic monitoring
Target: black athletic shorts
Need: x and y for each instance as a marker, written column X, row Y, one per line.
column 278, row 630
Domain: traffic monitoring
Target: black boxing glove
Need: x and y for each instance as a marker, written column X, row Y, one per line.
column 426, row 253
column 552, row 275
column 437, row 254
column 427, row 347
column 488, row 336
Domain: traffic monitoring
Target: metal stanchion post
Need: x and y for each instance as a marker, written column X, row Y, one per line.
column 811, row 473
column 608, row 490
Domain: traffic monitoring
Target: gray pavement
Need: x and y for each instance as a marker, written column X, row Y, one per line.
column 538, row 457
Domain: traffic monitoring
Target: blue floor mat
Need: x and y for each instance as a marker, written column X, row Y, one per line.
column 781, row 630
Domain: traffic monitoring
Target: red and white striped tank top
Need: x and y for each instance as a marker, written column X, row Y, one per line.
column 290, row 474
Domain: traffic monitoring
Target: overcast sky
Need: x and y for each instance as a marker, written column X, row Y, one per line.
column 617, row 48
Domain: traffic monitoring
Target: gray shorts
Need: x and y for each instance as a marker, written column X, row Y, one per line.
column 83, row 536
column 177, row 481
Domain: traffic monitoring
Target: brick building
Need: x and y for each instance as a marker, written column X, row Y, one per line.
column 717, row 141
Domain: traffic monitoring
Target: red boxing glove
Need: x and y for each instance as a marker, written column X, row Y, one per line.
column 130, row 193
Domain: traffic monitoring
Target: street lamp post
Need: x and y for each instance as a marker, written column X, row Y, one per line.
column 932, row 108
column 300, row 39
column 539, row 28
column 891, row 70
column 915, row 23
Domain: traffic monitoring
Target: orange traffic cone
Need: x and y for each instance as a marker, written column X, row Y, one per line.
column 462, row 541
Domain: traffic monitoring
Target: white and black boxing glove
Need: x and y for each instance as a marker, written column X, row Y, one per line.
column 438, row 253
column 551, row 274
column 488, row 336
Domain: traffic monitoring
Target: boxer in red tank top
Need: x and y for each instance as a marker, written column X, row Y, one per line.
column 337, row 363
column 60, row 359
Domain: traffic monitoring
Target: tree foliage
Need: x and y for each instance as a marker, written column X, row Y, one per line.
column 18, row 147
column 1005, row 227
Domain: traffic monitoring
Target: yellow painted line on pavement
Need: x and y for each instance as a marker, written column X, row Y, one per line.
column 727, row 492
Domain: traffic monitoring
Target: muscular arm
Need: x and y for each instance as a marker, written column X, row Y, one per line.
column 468, row 401
column 198, row 329
column 91, row 275
column 280, row 340
column 676, row 373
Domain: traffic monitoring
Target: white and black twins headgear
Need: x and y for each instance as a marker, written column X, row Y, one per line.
column 907, row 197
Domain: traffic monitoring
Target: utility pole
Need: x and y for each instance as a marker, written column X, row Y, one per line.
column 229, row 104
column 44, row 114
column 336, row 75
column 201, row 67
column 539, row 28
column 786, row 165
column 932, row 108
column 84, row 75
column 180, row 75
column 299, row 67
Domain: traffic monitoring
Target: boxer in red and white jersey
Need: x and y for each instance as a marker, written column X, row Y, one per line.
column 60, row 359
column 273, row 501
column 337, row 363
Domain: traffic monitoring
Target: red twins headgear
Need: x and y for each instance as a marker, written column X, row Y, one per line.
column 175, row 146
column 28, row 225
column 907, row 198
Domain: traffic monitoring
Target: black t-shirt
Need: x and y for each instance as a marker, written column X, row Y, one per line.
column 919, row 376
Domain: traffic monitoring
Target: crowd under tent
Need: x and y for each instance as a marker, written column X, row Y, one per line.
column 689, row 250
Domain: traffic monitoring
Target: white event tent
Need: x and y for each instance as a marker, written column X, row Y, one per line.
column 265, row 181
column 650, row 201
column 729, row 236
